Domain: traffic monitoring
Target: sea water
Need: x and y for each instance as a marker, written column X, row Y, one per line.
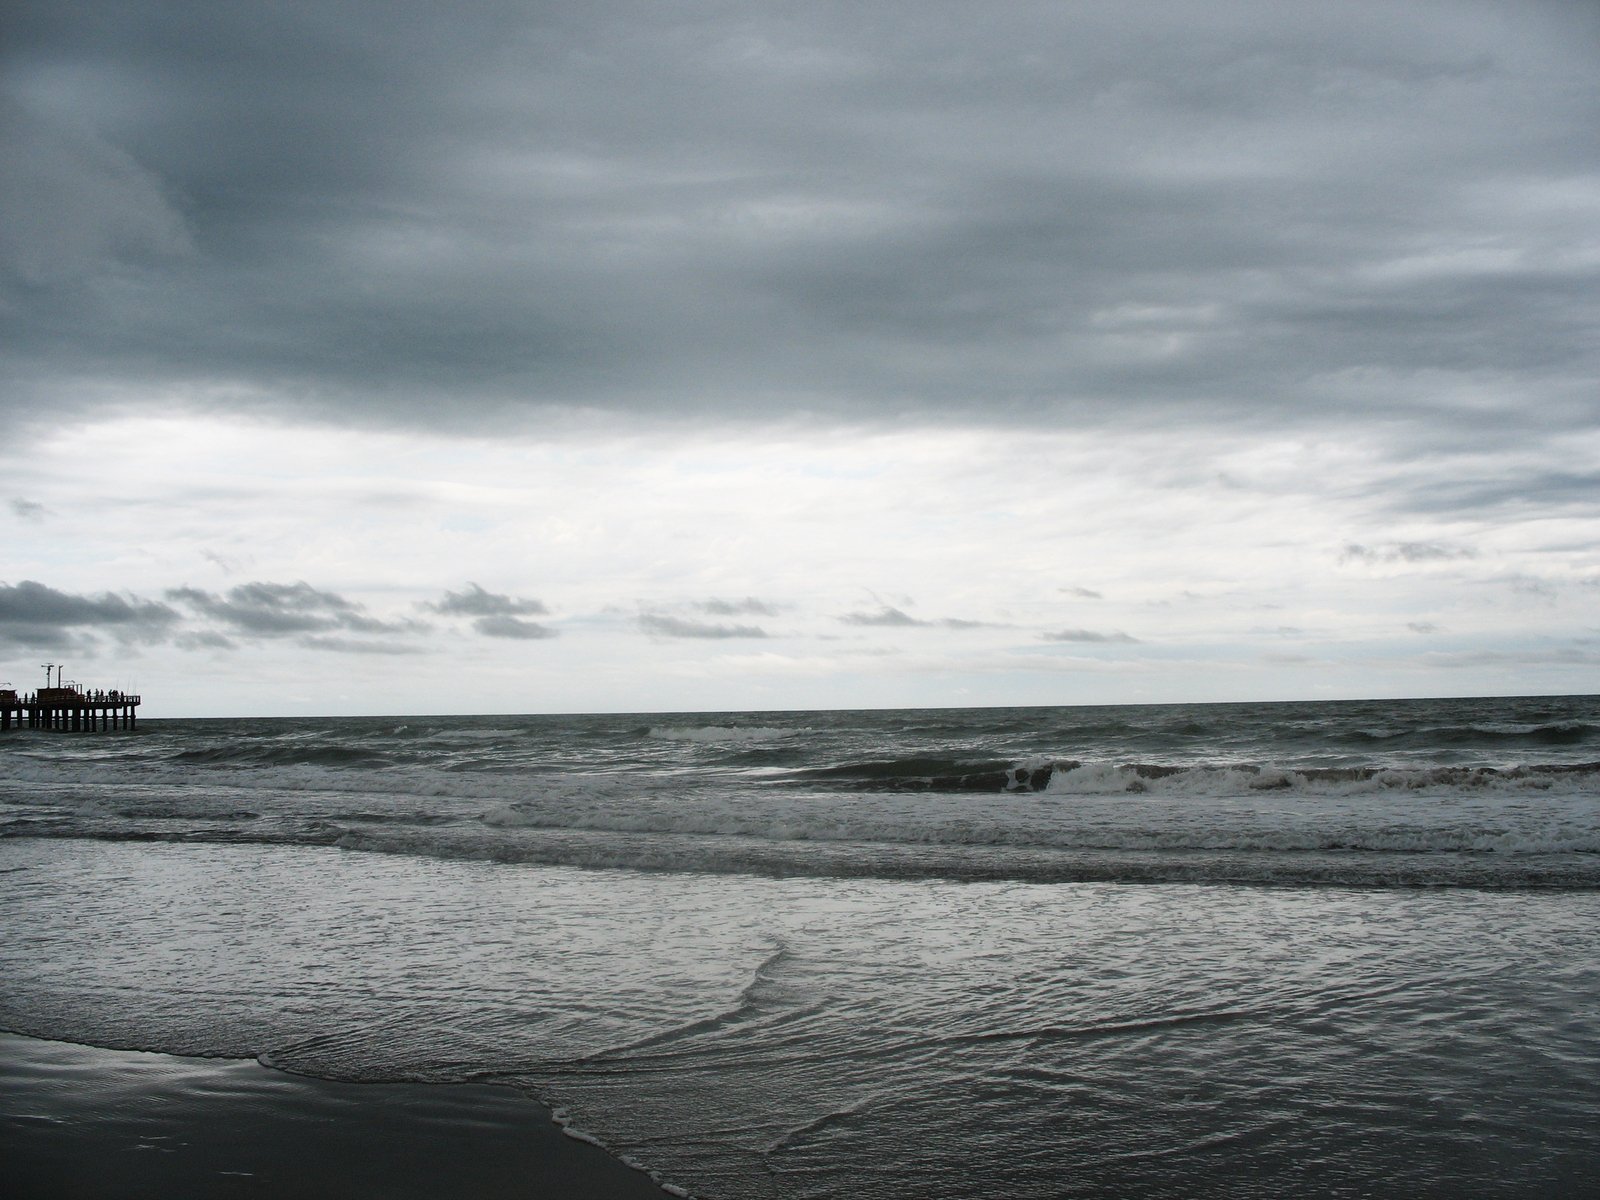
column 1231, row 950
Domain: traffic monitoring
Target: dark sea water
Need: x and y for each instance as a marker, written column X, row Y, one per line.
column 1229, row 950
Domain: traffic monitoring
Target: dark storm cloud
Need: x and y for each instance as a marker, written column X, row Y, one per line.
column 658, row 625
column 352, row 209
column 273, row 610
column 35, row 615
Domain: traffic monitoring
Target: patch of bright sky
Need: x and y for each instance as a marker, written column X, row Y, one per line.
column 1270, row 569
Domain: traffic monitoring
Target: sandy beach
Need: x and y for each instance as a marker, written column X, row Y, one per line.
column 85, row 1123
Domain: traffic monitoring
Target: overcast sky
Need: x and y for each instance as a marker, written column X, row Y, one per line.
column 512, row 356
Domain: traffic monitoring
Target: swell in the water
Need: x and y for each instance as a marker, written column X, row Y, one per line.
column 1563, row 857
column 1505, row 735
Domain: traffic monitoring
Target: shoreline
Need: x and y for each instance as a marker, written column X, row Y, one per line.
column 97, row 1124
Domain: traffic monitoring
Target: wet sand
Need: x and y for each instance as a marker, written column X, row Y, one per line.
column 82, row 1123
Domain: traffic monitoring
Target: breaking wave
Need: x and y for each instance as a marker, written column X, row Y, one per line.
column 1070, row 776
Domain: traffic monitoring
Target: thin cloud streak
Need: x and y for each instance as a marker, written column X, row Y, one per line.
column 659, row 625
column 1089, row 635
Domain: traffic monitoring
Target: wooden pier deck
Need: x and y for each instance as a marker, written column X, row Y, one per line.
column 68, row 708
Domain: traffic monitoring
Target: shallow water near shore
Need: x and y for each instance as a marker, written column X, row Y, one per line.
column 896, row 956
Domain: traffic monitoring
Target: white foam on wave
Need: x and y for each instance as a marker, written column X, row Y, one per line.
column 1102, row 779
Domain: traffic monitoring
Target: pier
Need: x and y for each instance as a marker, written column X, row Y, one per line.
column 66, row 706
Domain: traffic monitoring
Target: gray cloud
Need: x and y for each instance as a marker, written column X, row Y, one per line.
column 503, row 626
column 1237, row 209
column 748, row 607
column 497, row 615
column 1083, row 593
column 1409, row 552
column 205, row 639
column 1512, row 487
column 42, row 637
column 224, row 564
column 659, row 625
column 76, row 206
column 475, row 602
column 887, row 617
column 37, row 616
column 1529, row 585
column 272, row 610
column 28, row 510
column 1088, row 635
column 1571, row 654
column 340, row 645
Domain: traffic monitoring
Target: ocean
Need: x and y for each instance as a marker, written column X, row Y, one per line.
column 1244, row 950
